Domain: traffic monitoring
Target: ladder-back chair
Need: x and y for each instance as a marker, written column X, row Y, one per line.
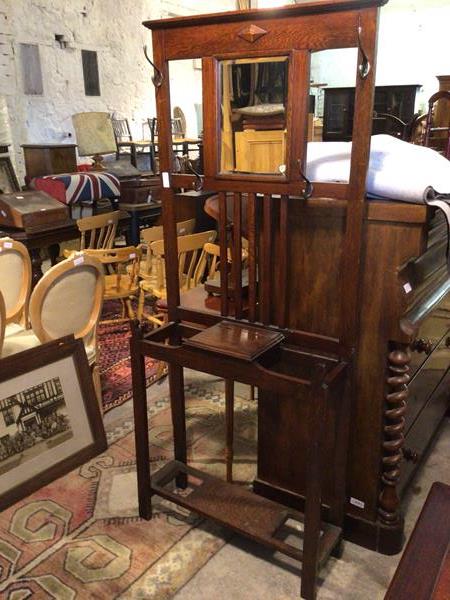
column 124, row 139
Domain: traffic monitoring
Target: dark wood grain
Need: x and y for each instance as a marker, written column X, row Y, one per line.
column 424, row 570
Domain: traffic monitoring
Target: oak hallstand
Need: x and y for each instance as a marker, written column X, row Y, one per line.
column 248, row 340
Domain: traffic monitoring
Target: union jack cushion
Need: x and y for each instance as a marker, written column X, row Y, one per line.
column 72, row 188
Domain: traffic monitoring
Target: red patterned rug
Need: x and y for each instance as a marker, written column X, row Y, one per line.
column 80, row 537
column 114, row 359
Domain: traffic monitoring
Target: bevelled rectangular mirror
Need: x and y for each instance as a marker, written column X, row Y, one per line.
column 253, row 115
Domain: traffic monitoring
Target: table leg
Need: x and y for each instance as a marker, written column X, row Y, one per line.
column 53, row 252
column 36, row 265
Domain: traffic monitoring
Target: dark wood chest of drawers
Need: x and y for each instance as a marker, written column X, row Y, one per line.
column 339, row 103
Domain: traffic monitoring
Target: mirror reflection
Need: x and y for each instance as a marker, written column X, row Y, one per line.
column 253, row 124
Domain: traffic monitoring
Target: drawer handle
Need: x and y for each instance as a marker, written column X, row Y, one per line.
column 411, row 455
column 422, row 345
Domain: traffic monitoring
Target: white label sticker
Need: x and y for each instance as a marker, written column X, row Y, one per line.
column 132, row 255
column 407, row 287
column 7, row 244
column 182, row 230
column 19, row 197
column 165, row 179
column 78, row 261
column 110, row 221
column 356, row 502
column 3, row 213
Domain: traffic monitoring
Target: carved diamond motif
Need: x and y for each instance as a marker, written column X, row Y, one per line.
column 251, row 33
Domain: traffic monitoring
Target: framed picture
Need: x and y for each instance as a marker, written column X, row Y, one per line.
column 8, row 179
column 50, row 421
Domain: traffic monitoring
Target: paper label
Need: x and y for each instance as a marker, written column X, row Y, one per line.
column 78, row 261
column 7, row 244
column 165, row 179
column 356, row 502
column 133, row 255
column 19, row 197
column 407, row 287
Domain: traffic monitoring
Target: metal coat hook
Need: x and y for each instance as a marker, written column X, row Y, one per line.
column 309, row 188
column 198, row 183
column 365, row 66
column 158, row 77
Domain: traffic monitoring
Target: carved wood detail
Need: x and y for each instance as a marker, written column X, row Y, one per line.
column 394, row 424
column 251, row 33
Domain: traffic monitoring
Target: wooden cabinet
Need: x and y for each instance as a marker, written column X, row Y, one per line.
column 260, row 151
column 397, row 100
column 49, row 159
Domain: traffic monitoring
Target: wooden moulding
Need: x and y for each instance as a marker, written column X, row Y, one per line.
column 238, row 509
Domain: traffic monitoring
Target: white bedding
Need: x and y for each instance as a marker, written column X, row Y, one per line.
column 397, row 170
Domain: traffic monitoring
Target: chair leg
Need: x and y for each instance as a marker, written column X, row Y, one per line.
column 130, row 310
column 229, row 426
column 140, row 309
column 97, row 385
column 252, row 393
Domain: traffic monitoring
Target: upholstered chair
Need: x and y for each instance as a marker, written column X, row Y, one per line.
column 15, row 284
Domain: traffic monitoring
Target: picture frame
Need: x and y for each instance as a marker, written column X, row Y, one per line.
column 50, row 420
column 8, row 178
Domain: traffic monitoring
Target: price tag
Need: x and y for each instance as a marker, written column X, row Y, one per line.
column 357, row 503
column 407, row 287
column 78, row 261
column 7, row 244
column 165, row 179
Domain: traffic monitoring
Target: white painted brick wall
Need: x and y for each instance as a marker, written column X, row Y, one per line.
column 110, row 27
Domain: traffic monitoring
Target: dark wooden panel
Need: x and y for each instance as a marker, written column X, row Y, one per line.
column 90, row 73
column 424, row 571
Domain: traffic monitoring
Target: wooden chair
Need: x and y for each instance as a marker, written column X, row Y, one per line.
column 121, row 267
column 153, row 234
column 97, row 231
column 124, row 139
column 15, row 283
column 66, row 300
column 437, row 134
column 192, row 262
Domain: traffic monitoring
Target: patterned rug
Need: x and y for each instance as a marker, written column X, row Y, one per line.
column 114, row 359
column 80, row 537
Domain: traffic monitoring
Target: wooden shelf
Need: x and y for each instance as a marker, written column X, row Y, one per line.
column 238, row 509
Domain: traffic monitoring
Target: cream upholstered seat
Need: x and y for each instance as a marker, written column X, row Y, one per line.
column 67, row 300
column 15, row 284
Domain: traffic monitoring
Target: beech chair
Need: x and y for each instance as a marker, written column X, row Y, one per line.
column 15, row 283
column 192, row 262
column 153, row 234
column 66, row 300
column 121, row 266
column 437, row 134
column 97, row 231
